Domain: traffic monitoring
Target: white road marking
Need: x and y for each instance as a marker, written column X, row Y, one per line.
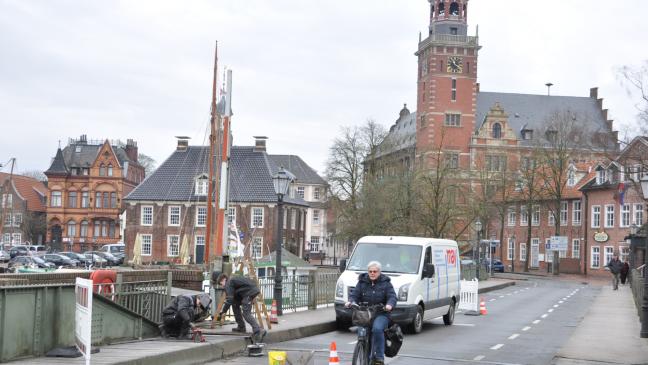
column 501, row 296
column 497, row 347
column 353, row 343
column 544, row 315
column 550, row 310
column 526, row 328
column 514, row 336
column 536, row 321
column 464, row 324
column 560, row 301
column 492, row 300
column 556, row 306
column 508, row 294
column 479, row 358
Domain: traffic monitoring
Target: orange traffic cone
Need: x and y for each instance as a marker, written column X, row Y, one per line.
column 333, row 356
column 482, row 307
column 273, row 312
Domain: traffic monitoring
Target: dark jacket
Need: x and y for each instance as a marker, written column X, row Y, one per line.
column 615, row 266
column 182, row 306
column 380, row 291
column 237, row 289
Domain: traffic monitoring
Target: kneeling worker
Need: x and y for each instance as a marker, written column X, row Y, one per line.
column 180, row 314
column 241, row 292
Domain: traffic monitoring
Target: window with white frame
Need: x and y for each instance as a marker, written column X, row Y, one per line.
column 638, row 214
column 257, row 217
column 596, row 216
column 523, row 253
column 173, row 245
column 57, row 199
column 174, row 215
column 231, row 215
column 6, row 238
column 609, row 216
column 202, row 185
column 71, row 229
column 609, row 252
column 576, row 213
column 146, row 215
column 564, row 213
column 625, row 216
column 595, row 262
column 316, row 193
column 600, row 176
column 524, row 216
column 315, row 244
column 624, row 253
column 7, row 220
column 293, row 219
column 199, row 240
column 316, row 217
column 571, row 177
column 257, row 247
column 576, row 247
column 510, row 248
column 551, row 220
column 7, row 200
column 301, row 192
column 535, row 217
column 17, row 238
column 17, row 219
column 147, row 244
column 201, row 216
column 511, row 216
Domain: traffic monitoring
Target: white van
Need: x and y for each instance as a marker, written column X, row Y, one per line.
column 425, row 273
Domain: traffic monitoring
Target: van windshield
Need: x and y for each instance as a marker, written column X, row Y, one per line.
column 394, row 258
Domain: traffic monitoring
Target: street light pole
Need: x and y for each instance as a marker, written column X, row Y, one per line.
column 513, row 251
column 281, row 181
column 644, row 303
column 478, row 225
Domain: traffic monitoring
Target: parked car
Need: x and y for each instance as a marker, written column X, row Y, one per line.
column 4, row 256
column 81, row 258
column 60, row 260
column 37, row 249
column 116, row 249
column 498, row 266
column 19, row 250
column 112, row 260
column 95, row 260
column 30, row 261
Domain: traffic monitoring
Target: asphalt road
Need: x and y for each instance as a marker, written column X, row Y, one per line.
column 526, row 324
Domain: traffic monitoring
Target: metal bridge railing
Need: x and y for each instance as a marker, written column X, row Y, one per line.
column 301, row 292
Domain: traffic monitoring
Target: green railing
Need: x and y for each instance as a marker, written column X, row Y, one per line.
column 637, row 284
column 301, row 292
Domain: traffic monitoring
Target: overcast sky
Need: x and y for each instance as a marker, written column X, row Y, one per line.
column 301, row 69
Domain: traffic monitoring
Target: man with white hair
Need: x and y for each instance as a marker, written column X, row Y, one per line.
column 375, row 288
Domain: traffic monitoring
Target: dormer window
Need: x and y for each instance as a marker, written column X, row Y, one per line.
column 202, row 185
column 527, row 134
column 571, row 177
column 497, row 131
column 551, row 135
column 600, row 176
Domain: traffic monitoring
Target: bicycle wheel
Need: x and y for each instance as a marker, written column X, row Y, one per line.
column 360, row 354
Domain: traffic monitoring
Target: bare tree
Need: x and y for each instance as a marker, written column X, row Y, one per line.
column 147, row 162
column 636, row 80
column 35, row 174
column 33, row 226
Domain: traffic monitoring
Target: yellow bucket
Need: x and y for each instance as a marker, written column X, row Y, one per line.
column 276, row 358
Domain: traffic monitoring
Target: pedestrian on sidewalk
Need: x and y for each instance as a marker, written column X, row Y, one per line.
column 179, row 316
column 240, row 294
column 624, row 272
column 615, row 265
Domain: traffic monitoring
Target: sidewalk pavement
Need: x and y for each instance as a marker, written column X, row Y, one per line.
column 166, row 351
column 608, row 333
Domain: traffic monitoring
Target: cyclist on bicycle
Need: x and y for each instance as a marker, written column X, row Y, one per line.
column 375, row 288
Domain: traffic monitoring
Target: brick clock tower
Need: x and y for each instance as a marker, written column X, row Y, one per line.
column 447, row 85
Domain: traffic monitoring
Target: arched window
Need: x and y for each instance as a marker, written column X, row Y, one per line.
column 110, row 170
column 441, row 8
column 71, row 229
column 454, row 8
column 84, row 228
column 102, row 170
column 497, row 130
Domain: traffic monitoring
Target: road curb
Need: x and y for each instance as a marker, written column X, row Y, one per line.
column 495, row 287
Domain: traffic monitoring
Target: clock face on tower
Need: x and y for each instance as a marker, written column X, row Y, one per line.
column 455, row 64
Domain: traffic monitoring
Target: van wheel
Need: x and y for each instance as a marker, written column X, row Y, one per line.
column 448, row 318
column 417, row 323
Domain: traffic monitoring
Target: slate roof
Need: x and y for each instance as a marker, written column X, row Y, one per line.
column 303, row 173
column 85, row 157
column 58, row 165
column 30, row 189
column 535, row 111
column 174, row 180
column 402, row 134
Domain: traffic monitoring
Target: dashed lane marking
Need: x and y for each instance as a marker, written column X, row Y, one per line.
column 550, row 310
column 492, row 300
column 353, row 343
column 464, row 324
column 560, row 301
column 556, row 306
column 514, row 336
column 536, row 321
column 526, row 328
column 478, row 358
column 501, row 296
column 497, row 347
column 544, row 315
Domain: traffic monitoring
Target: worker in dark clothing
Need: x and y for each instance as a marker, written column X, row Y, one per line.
column 179, row 316
column 615, row 265
column 240, row 294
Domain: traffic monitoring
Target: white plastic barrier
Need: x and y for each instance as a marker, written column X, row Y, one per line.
column 468, row 298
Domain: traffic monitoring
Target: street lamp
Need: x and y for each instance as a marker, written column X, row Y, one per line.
column 513, row 252
column 478, row 226
column 281, row 181
column 644, row 304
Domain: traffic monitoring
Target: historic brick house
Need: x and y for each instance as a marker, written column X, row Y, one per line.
column 172, row 204
column 87, row 181
column 22, row 210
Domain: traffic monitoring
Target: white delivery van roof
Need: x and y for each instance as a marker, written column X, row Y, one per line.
column 405, row 240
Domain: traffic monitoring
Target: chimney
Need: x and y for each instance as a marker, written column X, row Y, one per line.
column 183, row 143
column 131, row 149
column 594, row 93
column 83, row 139
column 260, row 143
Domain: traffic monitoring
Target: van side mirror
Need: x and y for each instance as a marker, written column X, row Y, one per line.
column 343, row 263
column 428, row 271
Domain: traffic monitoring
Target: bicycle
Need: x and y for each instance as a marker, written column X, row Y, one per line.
column 363, row 315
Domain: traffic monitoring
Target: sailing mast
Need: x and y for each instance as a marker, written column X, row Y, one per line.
column 212, row 142
column 223, row 176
